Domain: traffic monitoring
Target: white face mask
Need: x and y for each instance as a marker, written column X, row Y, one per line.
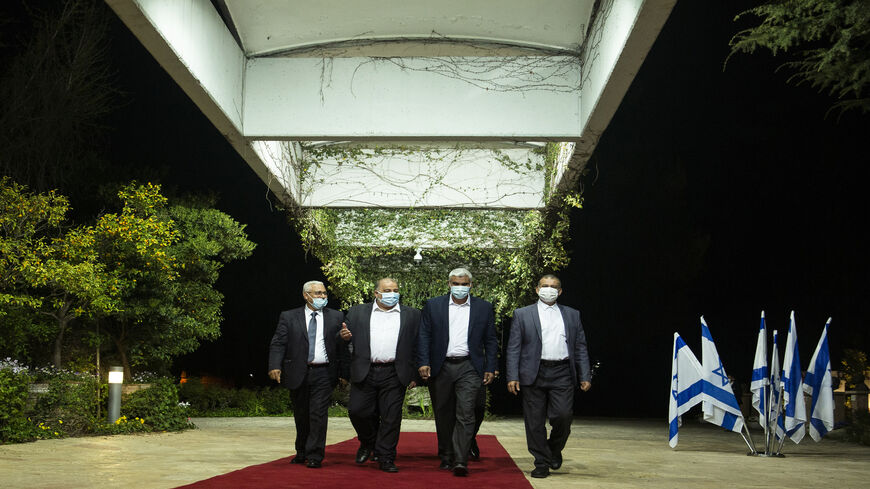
column 548, row 294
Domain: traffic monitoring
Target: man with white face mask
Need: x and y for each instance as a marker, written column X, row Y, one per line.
column 383, row 335
column 547, row 361
column 457, row 353
column 305, row 356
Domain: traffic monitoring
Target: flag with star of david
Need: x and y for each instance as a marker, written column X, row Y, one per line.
column 686, row 386
column 760, row 377
column 718, row 401
column 817, row 384
column 794, row 406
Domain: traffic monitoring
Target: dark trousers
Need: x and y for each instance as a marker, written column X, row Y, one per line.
column 479, row 409
column 454, row 394
column 375, row 410
column 311, row 412
column 551, row 396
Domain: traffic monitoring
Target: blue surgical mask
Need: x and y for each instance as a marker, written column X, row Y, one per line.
column 318, row 302
column 459, row 291
column 389, row 299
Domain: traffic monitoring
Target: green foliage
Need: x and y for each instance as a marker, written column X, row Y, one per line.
column 827, row 43
column 156, row 408
column 504, row 270
column 854, row 366
column 215, row 400
column 69, row 408
column 14, row 425
column 146, row 274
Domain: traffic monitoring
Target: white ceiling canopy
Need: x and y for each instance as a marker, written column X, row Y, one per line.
column 267, row 27
column 423, row 76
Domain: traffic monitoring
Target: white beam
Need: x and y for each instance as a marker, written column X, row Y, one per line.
column 424, row 176
column 370, row 98
column 618, row 42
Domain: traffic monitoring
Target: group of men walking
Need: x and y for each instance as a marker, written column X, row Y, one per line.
column 383, row 348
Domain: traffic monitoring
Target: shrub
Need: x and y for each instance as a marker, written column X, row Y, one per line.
column 157, row 407
column 14, row 425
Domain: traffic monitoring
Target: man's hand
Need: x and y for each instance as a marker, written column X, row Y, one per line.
column 412, row 385
column 345, row 333
column 343, row 382
column 424, row 372
column 275, row 375
column 487, row 378
column 514, row 387
column 585, row 386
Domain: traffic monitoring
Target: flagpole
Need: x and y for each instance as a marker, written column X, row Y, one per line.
column 765, row 390
column 749, row 442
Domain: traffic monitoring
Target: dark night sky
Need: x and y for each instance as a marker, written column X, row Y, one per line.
column 716, row 193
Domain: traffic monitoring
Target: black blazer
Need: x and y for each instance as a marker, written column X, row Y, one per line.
column 359, row 323
column 435, row 334
column 289, row 348
column 525, row 344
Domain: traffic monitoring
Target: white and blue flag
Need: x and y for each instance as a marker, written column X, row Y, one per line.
column 818, row 385
column 718, row 402
column 775, row 413
column 760, row 375
column 792, row 391
column 686, row 386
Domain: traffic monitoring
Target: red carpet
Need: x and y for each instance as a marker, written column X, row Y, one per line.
column 417, row 462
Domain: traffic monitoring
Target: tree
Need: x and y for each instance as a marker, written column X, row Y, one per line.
column 165, row 318
column 828, row 42
column 48, row 269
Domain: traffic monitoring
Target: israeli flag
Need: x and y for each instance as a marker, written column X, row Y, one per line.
column 792, row 391
column 760, row 377
column 818, row 385
column 686, row 380
column 718, row 402
column 774, row 416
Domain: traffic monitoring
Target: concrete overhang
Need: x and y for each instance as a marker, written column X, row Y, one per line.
column 270, row 75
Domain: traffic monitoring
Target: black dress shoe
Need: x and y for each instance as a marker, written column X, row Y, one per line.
column 540, row 472
column 363, row 454
column 474, row 450
column 460, row 470
column 389, row 466
column 298, row 459
column 313, row 464
column 445, row 465
column 375, row 458
column 557, row 461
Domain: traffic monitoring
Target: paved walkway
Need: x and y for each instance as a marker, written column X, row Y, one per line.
column 605, row 453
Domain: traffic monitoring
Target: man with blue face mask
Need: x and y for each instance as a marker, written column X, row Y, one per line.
column 457, row 354
column 305, row 356
column 547, row 361
column 383, row 337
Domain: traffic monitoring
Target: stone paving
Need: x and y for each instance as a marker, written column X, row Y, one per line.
column 603, row 452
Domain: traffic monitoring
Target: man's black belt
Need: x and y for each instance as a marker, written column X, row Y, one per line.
column 382, row 364
column 456, row 359
column 554, row 363
column 318, row 365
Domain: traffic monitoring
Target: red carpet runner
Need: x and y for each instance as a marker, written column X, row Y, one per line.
column 417, row 462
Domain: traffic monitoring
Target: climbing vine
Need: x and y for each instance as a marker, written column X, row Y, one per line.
column 506, row 250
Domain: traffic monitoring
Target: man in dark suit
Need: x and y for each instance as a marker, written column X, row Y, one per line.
column 457, row 354
column 305, row 357
column 548, row 361
column 384, row 336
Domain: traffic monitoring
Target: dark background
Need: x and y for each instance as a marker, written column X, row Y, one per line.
column 712, row 192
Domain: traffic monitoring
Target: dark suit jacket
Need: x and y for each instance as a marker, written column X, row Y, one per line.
column 435, row 334
column 359, row 323
column 524, row 345
column 289, row 348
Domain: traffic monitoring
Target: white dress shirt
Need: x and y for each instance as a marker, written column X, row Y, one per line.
column 458, row 316
column 554, row 342
column 320, row 355
column 384, row 333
